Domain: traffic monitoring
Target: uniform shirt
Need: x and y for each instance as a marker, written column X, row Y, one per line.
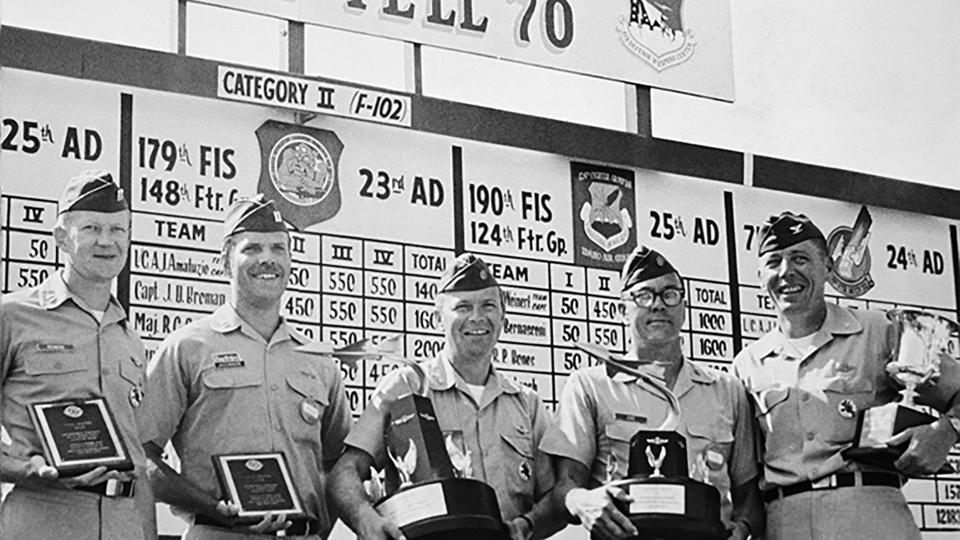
column 217, row 387
column 501, row 432
column 597, row 415
column 53, row 349
column 807, row 405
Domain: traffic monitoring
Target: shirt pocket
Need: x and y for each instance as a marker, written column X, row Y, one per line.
column 615, row 445
column 709, row 449
column 770, row 411
column 843, row 399
column 518, row 463
column 308, row 403
column 54, row 363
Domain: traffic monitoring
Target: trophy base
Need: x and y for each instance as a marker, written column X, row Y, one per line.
column 439, row 509
column 673, row 509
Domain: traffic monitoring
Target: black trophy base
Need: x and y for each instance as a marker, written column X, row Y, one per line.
column 698, row 519
column 470, row 511
column 868, row 447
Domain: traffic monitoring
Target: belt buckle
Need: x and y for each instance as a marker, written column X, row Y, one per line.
column 111, row 487
column 827, row 482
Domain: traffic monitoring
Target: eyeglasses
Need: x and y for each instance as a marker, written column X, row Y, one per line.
column 645, row 298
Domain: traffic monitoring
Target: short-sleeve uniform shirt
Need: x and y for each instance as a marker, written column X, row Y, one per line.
column 501, row 432
column 54, row 349
column 807, row 404
column 217, row 387
column 598, row 415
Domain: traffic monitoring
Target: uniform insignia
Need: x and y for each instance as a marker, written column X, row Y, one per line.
column 524, row 471
column 309, row 411
column 631, row 418
column 229, row 359
column 54, row 347
column 136, row 396
column 847, row 408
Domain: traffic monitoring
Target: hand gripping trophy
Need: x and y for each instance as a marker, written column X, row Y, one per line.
column 666, row 502
column 924, row 338
column 428, row 491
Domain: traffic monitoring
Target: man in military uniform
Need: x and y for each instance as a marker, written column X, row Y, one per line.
column 70, row 339
column 235, row 382
column 500, row 422
column 809, row 377
column 600, row 410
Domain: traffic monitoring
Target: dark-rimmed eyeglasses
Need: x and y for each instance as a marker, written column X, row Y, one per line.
column 645, row 298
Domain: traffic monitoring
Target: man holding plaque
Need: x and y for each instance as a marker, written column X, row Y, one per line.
column 493, row 423
column 69, row 357
column 600, row 410
column 235, row 388
column 810, row 377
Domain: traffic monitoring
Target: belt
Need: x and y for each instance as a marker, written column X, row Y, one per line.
column 834, row 481
column 111, row 488
column 298, row 527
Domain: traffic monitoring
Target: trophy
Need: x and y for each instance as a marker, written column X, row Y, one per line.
column 79, row 436
column 429, row 494
column 667, row 504
column 923, row 338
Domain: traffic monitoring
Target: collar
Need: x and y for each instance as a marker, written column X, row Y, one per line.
column 689, row 374
column 53, row 292
column 839, row 321
column 226, row 319
column 442, row 376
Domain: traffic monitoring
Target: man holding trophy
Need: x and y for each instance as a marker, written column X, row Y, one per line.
column 820, row 381
column 451, row 413
column 653, row 394
column 256, row 420
column 71, row 376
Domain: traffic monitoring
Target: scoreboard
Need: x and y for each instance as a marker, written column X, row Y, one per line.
column 382, row 209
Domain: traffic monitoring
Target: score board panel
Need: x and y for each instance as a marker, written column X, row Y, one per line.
column 382, row 209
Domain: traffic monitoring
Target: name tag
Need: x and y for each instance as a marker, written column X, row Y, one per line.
column 54, row 347
column 631, row 418
column 227, row 360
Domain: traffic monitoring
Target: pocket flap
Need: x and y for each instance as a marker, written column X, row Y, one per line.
column 520, row 442
column 848, row 385
column 767, row 399
column 309, row 388
column 56, row 362
column 716, row 432
column 621, row 431
column 231, row 378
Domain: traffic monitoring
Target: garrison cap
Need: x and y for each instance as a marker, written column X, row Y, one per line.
column 466, row 273
column 93, row 191
column 643, row 264
column 785, row 230
column 254, row 214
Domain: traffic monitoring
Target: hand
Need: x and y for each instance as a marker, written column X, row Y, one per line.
column 270, row 523
column 38, row 472
column 519, row 529
column 927, row 449
column 597, row 513
column 377, row 527
column 224, row 512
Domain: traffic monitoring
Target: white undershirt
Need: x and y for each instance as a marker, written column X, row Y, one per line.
column 802, row 345
column 476, row 390
column 98, row 314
